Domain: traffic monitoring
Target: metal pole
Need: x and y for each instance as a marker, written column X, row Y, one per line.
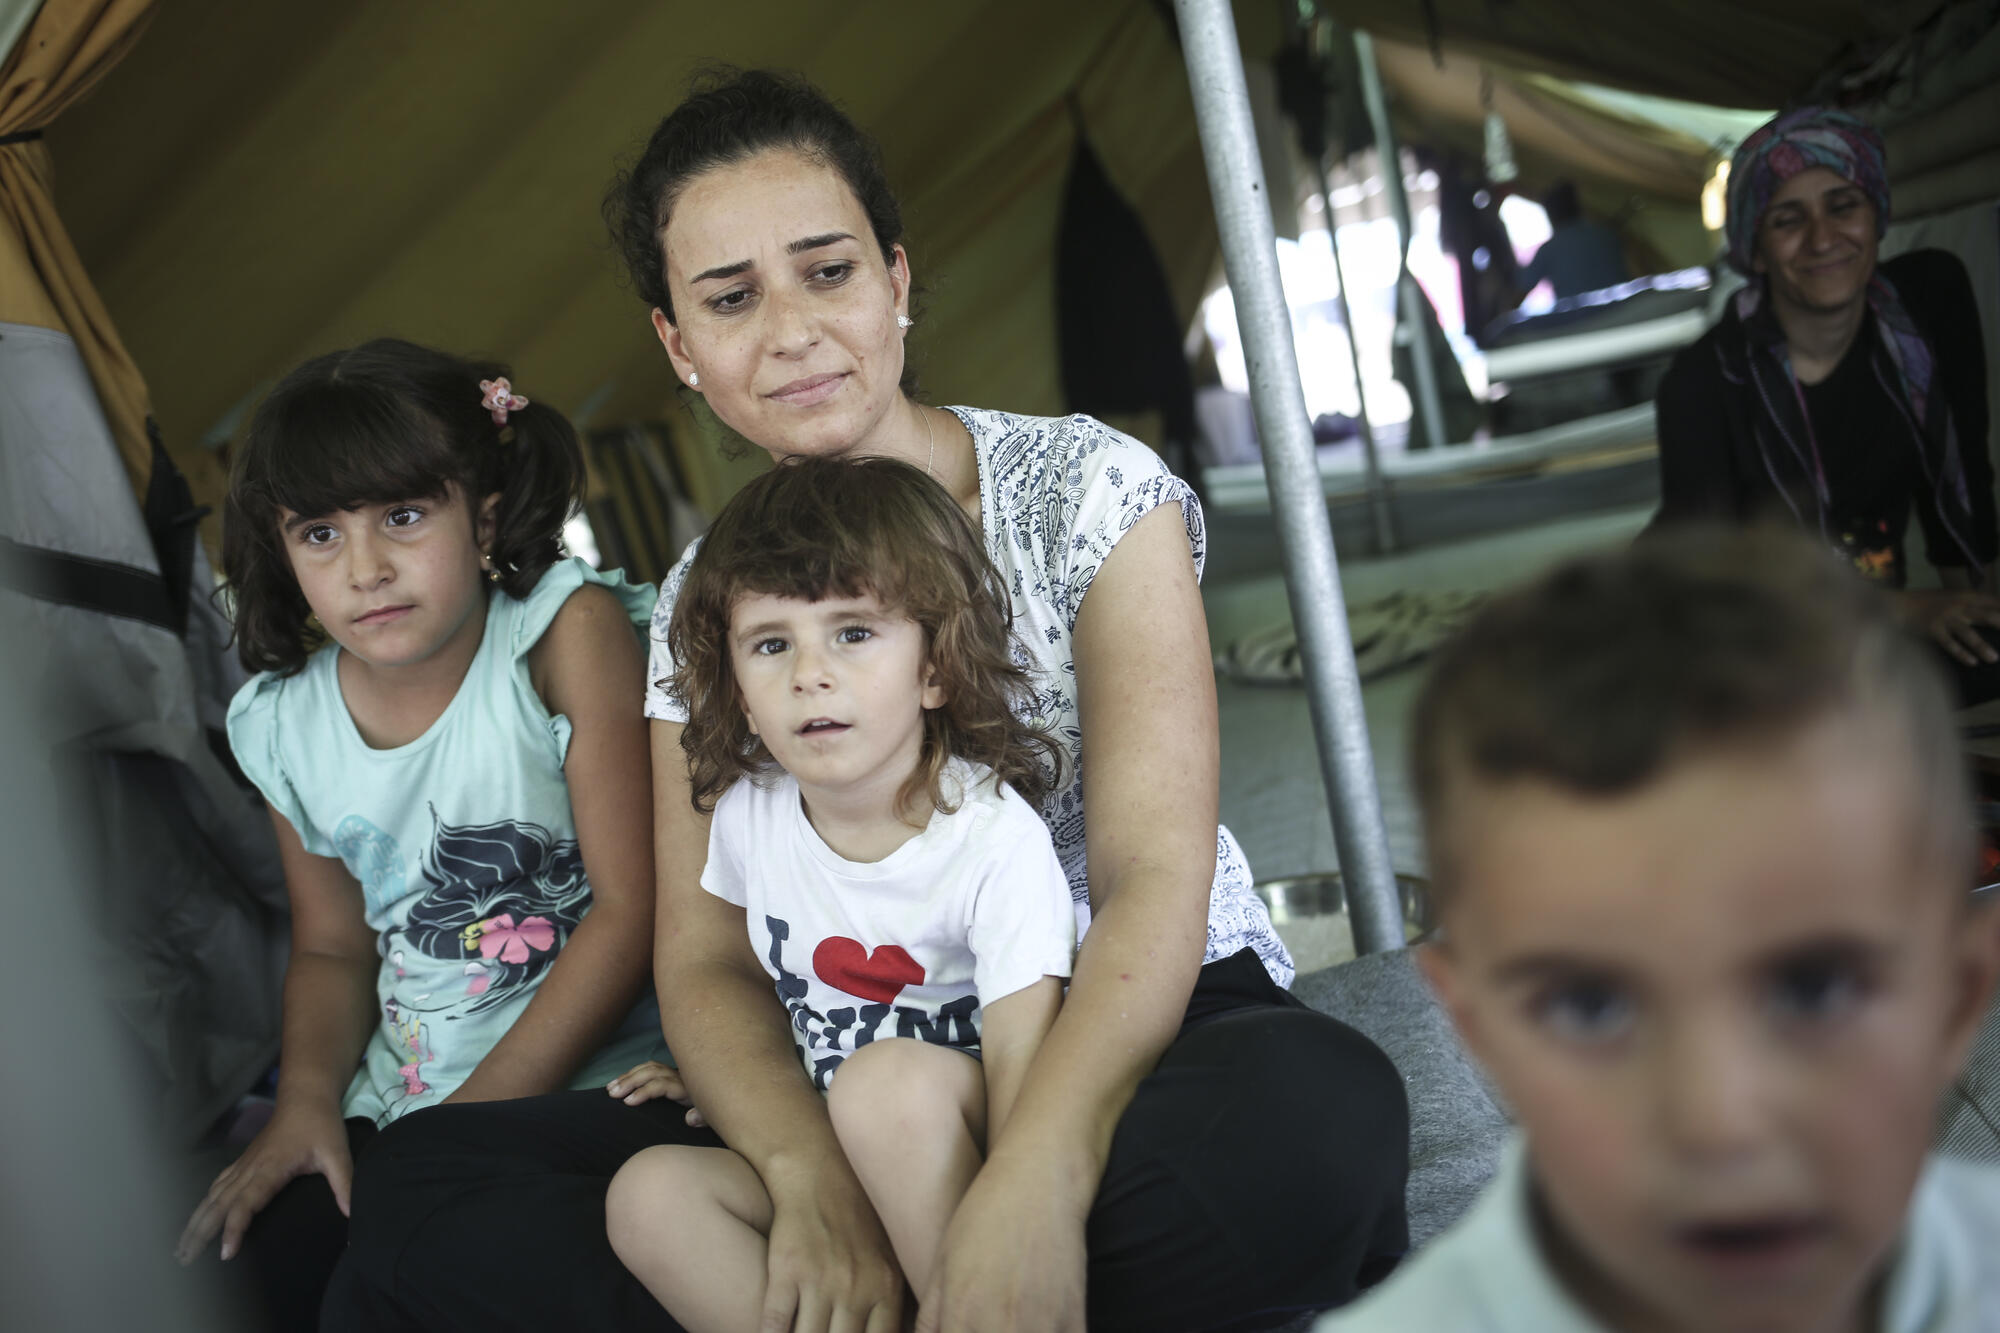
column 1378, row 489
column 1291, row 470
column 1428, row 409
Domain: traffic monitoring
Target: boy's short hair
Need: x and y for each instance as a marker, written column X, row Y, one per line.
column 813, row 528
column 1611, row 669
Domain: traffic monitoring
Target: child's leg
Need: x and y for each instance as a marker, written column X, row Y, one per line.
column 911, row 1118
column 690, row 1223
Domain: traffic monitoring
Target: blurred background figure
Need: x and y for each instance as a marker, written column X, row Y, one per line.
column 1581, row 254
column 1841, row 391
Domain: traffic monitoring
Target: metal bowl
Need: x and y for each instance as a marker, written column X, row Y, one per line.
column 1322, row 894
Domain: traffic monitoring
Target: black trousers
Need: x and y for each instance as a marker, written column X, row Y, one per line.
column 1259, row 1172
column 291, row 1247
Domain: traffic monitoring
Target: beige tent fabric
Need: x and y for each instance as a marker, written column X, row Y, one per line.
column 1544, row 118
column 259, row 183
column 1747, row 53
column 1641, row 176
column 68, row 48
column 264, row 182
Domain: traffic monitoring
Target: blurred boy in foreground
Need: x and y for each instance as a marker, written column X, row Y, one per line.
column 1701, row 845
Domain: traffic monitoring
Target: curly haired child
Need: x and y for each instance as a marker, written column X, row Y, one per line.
column 844, row 657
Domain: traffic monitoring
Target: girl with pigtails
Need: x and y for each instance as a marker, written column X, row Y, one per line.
column 441, row 726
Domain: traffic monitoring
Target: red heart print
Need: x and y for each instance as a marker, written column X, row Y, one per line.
column 878, row 977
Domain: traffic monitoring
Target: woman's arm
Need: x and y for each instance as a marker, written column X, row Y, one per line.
column 1014, row 1256
column 330, row 1009
column 1011, row 1030
column 589, row 668
column 830, row 1260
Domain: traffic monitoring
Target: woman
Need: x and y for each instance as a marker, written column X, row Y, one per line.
column 1839, row 392
column 1191, row 1147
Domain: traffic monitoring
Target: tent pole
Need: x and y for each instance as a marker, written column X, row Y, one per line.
column 1291, row 470
column 1378, row 488
column 1428, row 408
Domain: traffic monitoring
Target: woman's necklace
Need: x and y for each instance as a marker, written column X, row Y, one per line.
column 930, row 437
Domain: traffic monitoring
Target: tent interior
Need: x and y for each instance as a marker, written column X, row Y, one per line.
column 196, row 197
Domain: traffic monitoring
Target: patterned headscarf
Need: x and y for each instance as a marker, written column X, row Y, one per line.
column 1811, row 136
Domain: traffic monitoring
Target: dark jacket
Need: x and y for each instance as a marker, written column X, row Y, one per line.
column 1713, row 467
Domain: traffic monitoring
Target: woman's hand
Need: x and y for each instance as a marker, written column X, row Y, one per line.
column 295, row 1143
column 1952, row 617
column 1013, row 1257
column 831, row 1268
column 653, row 1080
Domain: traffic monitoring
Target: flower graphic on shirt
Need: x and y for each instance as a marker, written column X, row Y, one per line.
column 500, row 937
column 414, row 1037
column 505, row 895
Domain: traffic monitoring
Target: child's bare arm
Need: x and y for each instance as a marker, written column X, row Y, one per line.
column 330, row 1009
column 588, row 667
column 1011, row 1031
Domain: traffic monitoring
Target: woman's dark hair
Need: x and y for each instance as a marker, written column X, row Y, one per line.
column 813, row 528
column 381, row 422
column 732, row 115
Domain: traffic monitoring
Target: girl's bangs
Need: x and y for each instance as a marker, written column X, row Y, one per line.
column 816, row 566
column 339, row 446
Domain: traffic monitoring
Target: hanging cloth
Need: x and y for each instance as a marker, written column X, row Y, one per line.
column 1118, row 335
column 70, row 45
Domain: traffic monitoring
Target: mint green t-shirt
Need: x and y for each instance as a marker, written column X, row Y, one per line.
column 462, row 841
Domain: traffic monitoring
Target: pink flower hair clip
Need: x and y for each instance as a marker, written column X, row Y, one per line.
column 500, row 399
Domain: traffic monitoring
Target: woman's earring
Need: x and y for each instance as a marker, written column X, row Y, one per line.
column 492, row 570
column 904, row 321
column 694, row 379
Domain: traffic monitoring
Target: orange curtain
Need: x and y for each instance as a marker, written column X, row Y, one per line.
column 70, row 46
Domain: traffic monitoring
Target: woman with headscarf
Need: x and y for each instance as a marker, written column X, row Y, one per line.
column 1840, row 391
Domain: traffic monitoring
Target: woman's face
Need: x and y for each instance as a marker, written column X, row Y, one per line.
column 786, row 308
column 1816, row 241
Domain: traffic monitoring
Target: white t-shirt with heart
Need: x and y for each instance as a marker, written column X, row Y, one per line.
column 969, row 911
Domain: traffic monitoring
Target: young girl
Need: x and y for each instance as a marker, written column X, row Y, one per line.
column 442, row 729
column 843, row 644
